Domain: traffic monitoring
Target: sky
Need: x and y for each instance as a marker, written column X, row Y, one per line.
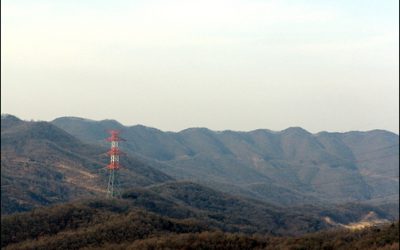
column 237, row 64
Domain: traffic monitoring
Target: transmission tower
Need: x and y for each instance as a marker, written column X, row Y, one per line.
column 114, row 153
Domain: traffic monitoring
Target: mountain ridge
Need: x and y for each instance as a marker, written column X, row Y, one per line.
column 58, row 119
column 42, row 164
column 289, row 168
column 261, row 160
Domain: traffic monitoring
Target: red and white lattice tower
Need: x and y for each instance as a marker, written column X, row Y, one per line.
column 114, row 153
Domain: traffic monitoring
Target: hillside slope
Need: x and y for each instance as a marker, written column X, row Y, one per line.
column 288, row 167
column 162, row 211
column 42, row 164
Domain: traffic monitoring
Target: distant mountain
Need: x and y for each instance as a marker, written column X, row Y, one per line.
column 42, row 164
column 274, row 183
column 288, row 167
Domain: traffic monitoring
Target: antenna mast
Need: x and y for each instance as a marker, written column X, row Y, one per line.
column 114, row 153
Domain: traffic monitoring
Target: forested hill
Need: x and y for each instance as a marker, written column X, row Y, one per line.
column 286, row 167
column 277, row 184
column 143, row 219
column 42, row 164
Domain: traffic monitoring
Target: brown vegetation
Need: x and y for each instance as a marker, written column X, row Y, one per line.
column 115, row 224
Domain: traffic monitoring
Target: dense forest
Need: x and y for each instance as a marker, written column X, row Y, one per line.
column 385, row 237
column 116, row 224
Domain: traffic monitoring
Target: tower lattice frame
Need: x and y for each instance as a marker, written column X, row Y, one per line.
column 113, row 187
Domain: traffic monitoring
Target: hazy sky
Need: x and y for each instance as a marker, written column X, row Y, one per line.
column 240, row 65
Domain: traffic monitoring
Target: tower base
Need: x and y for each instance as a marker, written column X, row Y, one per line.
column 113, row 189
